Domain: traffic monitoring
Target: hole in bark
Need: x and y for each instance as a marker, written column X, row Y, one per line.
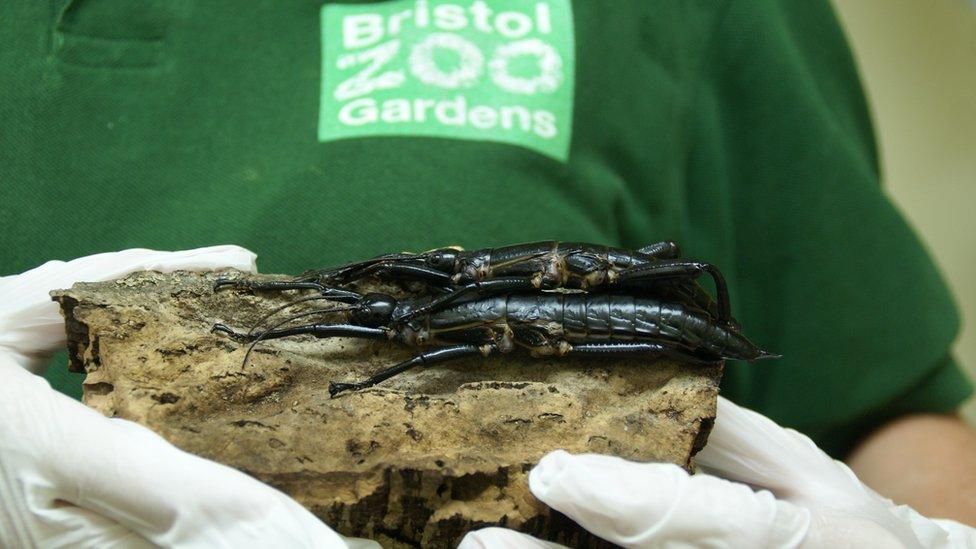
column 166, row 398
column 471, row 486
column 704, row 429
column 100, row 388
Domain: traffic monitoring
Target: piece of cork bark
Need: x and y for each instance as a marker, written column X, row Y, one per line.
column 420, row 459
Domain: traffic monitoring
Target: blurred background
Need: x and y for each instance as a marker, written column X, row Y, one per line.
column 918, row 63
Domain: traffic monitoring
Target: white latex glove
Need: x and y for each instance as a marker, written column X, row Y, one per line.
column 72, row 477
column 799, row 497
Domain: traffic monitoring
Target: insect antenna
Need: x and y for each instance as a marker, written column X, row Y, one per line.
column 257, row 340
column 328, row 294
column 350, row 271
column 277, row 310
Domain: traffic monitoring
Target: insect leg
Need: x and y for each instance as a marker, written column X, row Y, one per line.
column 415, row 271
column 482, row 288
column 442, row 354
column 350, row 271
column 336, row 294
column 636, row 349
column 318, row 330
column 271, row 285
column 662, row 250
column 648, row 272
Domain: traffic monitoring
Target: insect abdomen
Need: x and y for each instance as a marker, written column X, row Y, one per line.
column 612, row 318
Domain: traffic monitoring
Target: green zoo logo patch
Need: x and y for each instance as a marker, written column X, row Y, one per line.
column 497, row 71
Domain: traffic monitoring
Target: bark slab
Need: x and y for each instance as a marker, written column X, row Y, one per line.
column 419, row 460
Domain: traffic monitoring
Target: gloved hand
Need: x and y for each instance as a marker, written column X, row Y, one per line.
column 71, row 477
column 799, row 497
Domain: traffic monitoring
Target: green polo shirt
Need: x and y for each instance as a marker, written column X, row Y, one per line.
column 316, row 134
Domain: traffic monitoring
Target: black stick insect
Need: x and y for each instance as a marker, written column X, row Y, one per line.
column 655, row 271
column 544, row 323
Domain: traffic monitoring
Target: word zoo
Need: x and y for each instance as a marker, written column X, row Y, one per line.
column 499, row 71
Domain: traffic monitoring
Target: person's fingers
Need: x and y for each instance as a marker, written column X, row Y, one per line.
column 748, row 447
column 503, row 538
column 360, row 543
column 32, row 511
column 54, row 449
column 31, row 328
column 644, row 504
column 58, row 523
column 960, row 536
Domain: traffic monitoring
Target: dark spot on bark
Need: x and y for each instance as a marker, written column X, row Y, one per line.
column 77, row 334
column 177, row 351
column 704, row 429
column 357, row 448
column 493, row 385
column 166, row 398
column 412, row 479
column 559, row 528
column 412, row 402
column 185, row 294
column 470, row 486
column 95, row 354
column 412, row 433
column 246, row 422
